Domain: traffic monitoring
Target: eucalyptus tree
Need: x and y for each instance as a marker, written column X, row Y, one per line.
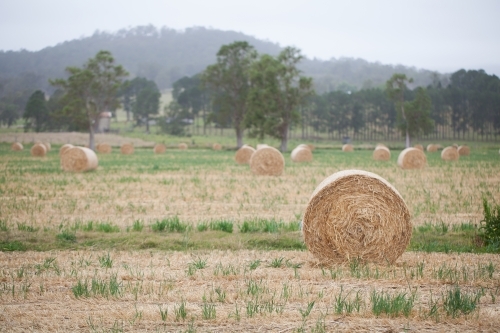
column 36, row 112
column 229, row 83
column 92, row 89
column 395, row 88
column 277, row 91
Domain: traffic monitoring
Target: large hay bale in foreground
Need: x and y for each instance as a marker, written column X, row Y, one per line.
column 450, row 154
column 347, row 147
column 267, row 161
column 104, row 148
column 412, row 158
column 419, row 147
column 381, row 153
column 159, row 148
column 127, row 149
column 463, row 151
column 432, row 148
column 17, row 146
column 302, row 153
column 183, row 146
column 64, row 148
column 216, row 146
column 244, row 154
column 38, row 150
column 356, row 215
column 79, row 159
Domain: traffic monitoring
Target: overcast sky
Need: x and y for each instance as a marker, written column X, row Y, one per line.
column 441, row 35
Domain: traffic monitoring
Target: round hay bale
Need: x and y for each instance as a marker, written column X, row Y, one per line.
column 267, row 161
column 17, row 146
column 127, row 149
column 347, row 147
column 79, row 159
column 64, row 148
column 47, row 146
column 302, row 153
column 244, row 154
column 159, row 148
column 104, row 148
column 432, row 148
column 183, row 146
column 356, row 215
column 38, row 150
column 419, row 147
column 455, row 146
column 262, row 145
column 380, row 145
column 216, row 146
column 463, row 150
column 311, row 147
column 412, row 158
column 381, row 154
column 450, row 154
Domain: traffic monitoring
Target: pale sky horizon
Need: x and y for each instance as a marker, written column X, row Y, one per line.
column 438, row 35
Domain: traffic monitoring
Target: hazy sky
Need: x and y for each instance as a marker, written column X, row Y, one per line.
column 442, row 35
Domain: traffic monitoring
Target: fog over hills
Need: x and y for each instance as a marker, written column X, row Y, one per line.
column 165, row 55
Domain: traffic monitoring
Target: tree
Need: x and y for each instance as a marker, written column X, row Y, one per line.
column 229, row 82
column 8, row 114
column 190, row 95
column 142, row 97
column 91, row 90
column 418, row 114
column 276, row 94
column 395, row 88
column 36, row 112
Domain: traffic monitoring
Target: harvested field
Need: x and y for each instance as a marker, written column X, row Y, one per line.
column 189, row 240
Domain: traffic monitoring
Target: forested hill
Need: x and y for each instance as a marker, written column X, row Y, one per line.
column 165, row 55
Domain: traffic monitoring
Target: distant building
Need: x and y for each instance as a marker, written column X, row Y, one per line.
column 104, row 122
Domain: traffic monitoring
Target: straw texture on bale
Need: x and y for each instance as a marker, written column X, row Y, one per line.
column 127, row 149
column 64, row 148
column 104, row 148
column 16, row 146
column 347, row 147
column 79, row 159
column 38, row 150
column 419, row 147
column 450, row 154
column 183, row 146
column 412, row 158
column 381, row 154
column 216, row 146
column 356, row 215
column 159, row 148
column 302, row 153
column 267, row 161
column 432, row 148
column 463, row 151
column 243, row 154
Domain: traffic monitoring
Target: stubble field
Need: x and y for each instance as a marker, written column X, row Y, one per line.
column 191, row 241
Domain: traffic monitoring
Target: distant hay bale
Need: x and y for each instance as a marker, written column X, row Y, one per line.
column 302, row 153
column 79, row 159
column 262, row 145
column 64, row 148
column 47, row 146
column 17, row 146
column 216, row 146
column 303, row 145
column 463, row 150
column 311, row 147
column 104, row 148
column 244, row 154
column 380, row 145
column 183, row 146
column 159, row 148
column 419, row 147
column 412, row 158
column 127, row 149
column 356, row 215
column 432, row 148
column 450, row 154
column 267, row 161
column 381, row 153
column 38, row 150
column 455, row 146
column 347, row 147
